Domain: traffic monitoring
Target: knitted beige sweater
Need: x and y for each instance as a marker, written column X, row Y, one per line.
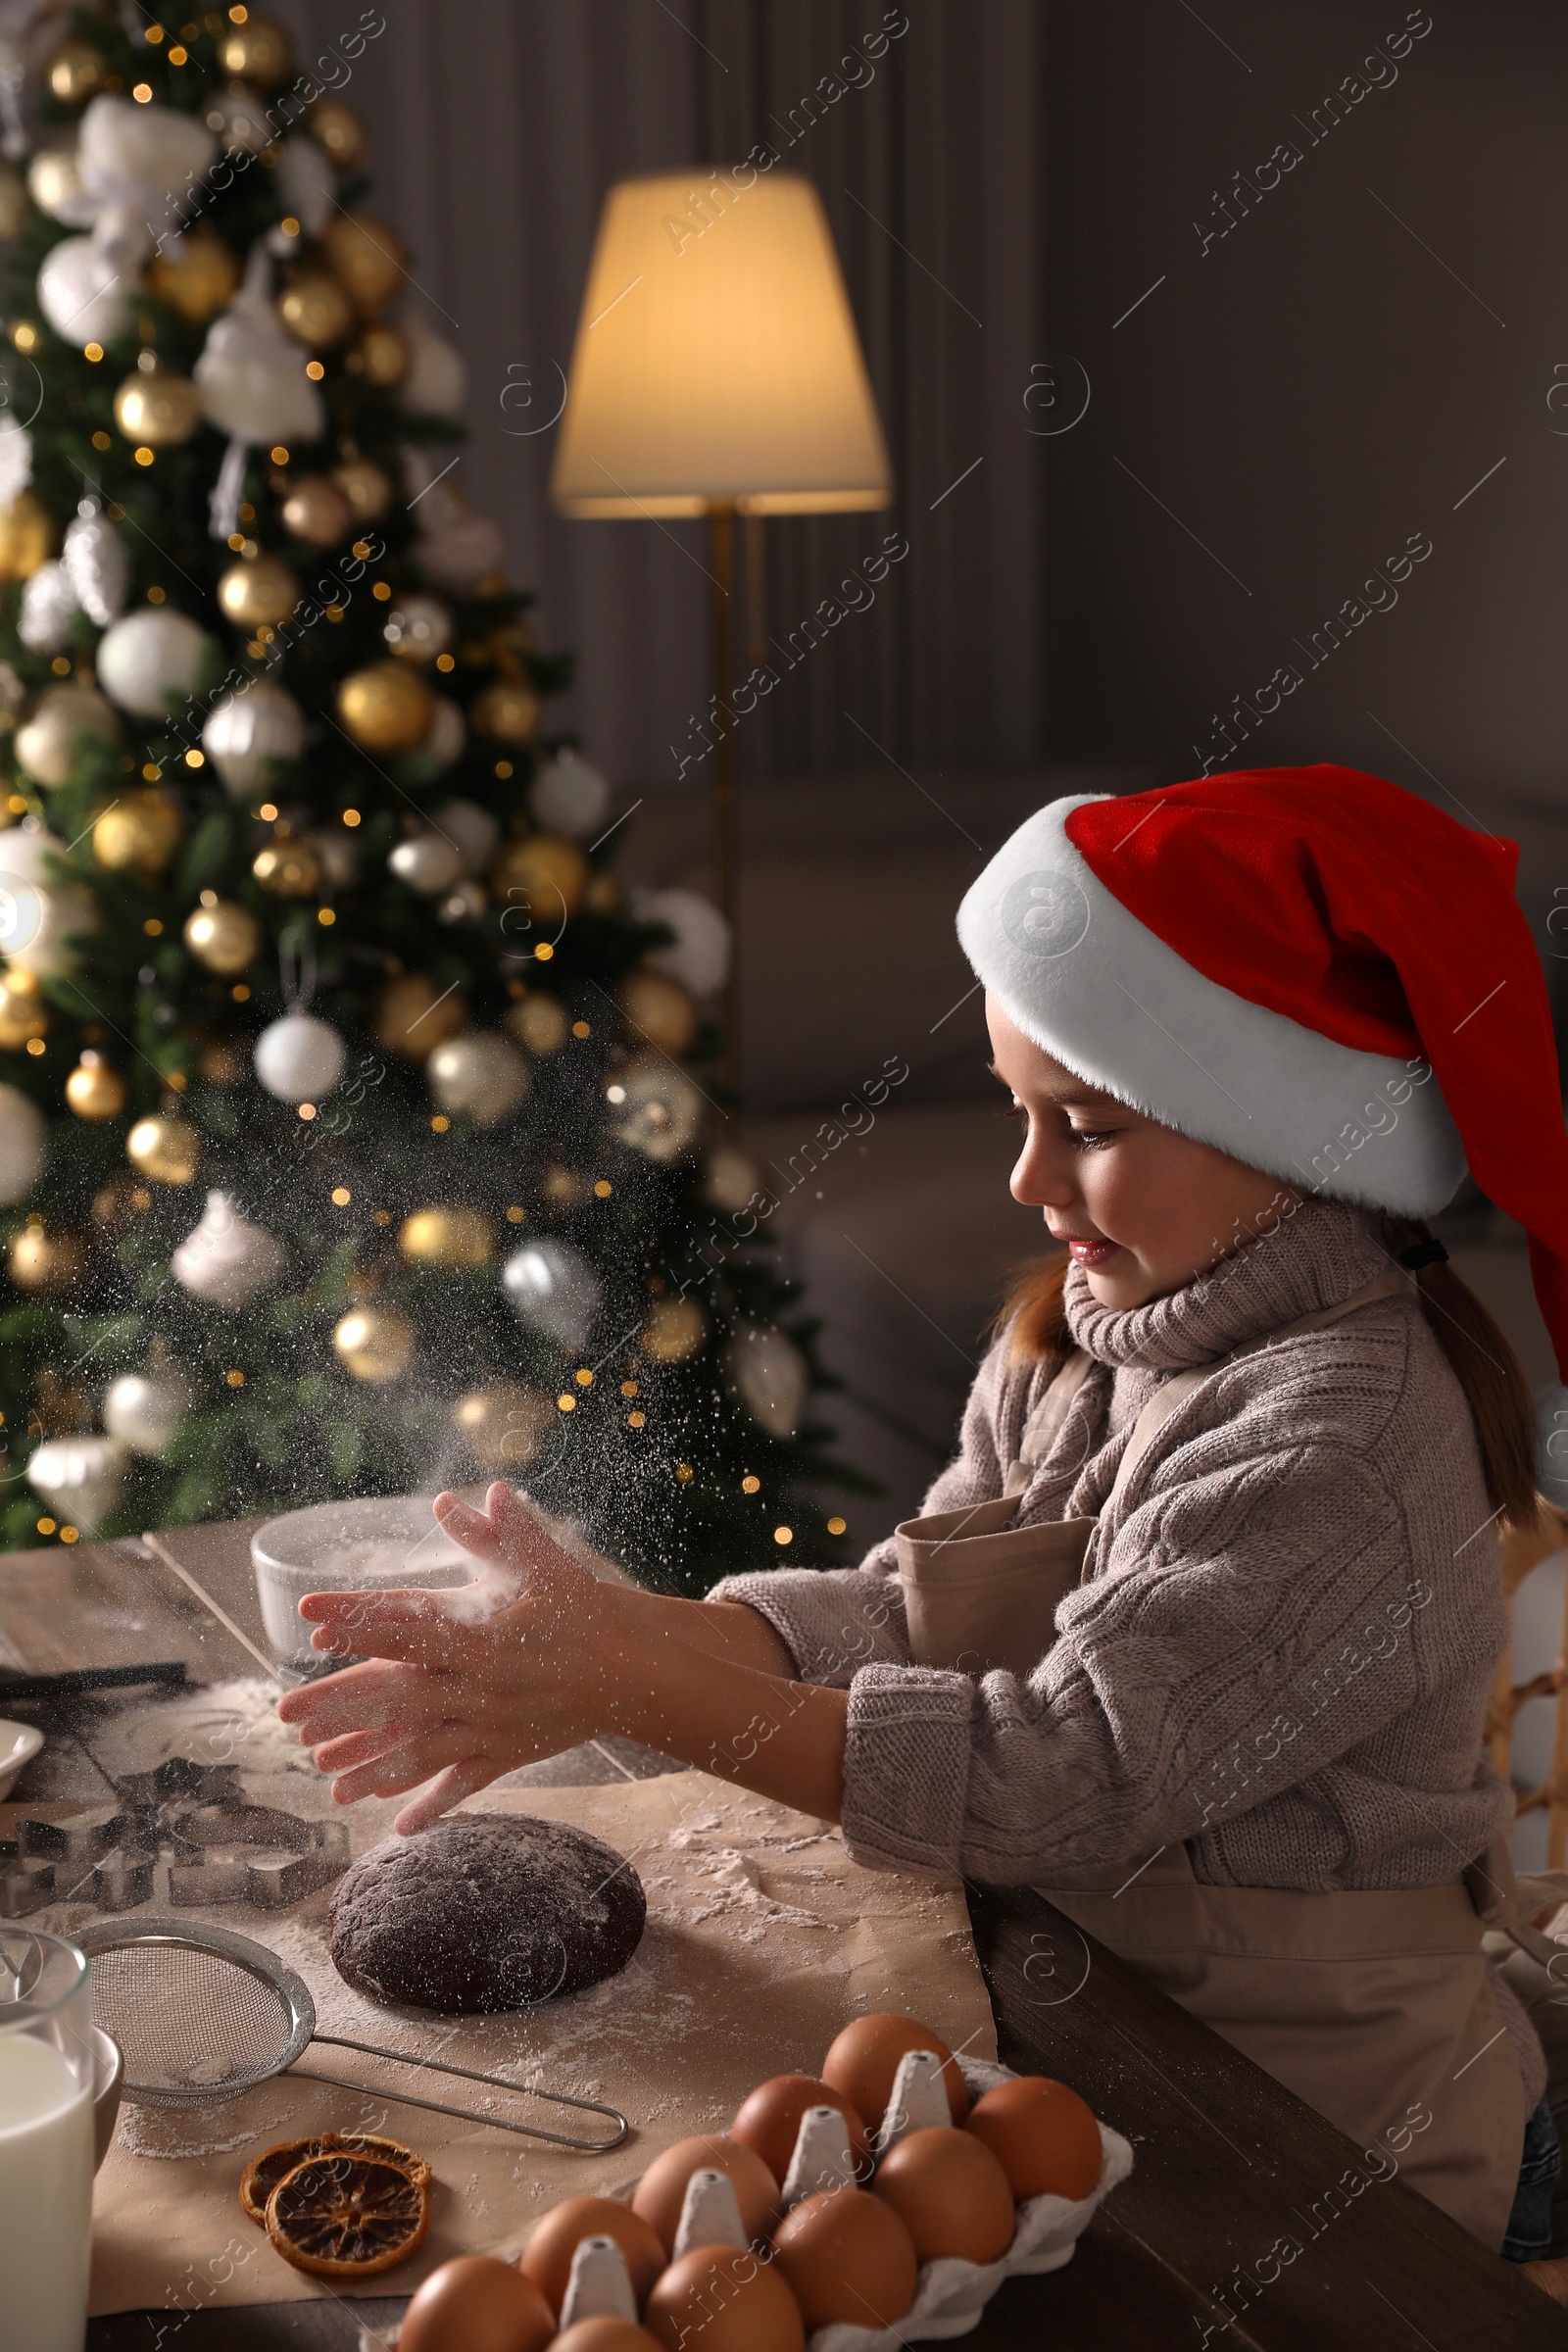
column 1287, row 1627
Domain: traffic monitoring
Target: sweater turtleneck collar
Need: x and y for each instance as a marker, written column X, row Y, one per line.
column 1318, row 1254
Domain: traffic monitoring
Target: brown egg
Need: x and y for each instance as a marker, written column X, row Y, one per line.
column 847, row 2255
column 725, row 2299
column 951, row 2195
column 477, row 2304
column 546, row 2257
column 1044, row 2137
column 865, row 2059
column 768, row 2120
column 605, row 2335
column 662, row 2190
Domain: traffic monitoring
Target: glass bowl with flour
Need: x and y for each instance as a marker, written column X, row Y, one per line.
column 375, row 1545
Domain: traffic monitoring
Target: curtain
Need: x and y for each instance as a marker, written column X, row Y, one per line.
column 496, row 129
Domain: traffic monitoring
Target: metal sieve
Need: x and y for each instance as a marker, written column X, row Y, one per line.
column 203, row 2014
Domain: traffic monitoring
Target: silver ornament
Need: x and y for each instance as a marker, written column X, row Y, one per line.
column 79, row 1478
column 569, row 796
column 771, row 1375
column 239, row 118
column 152, row 661
column 479, row 1072
column 419, row 628
column 458, row 553
column 49, row 606
column 144, row 1410
column 447, row 733
column 98, row 562
column 554, row 1289
column 16, row 459
column 81, row 292
column 299, row 1058
column 428, row 862
column 464, row 903
column 436, row 382
column 731, row 1178
column 655, row 1108
column 47, row 746
column 249, row 736
column 473, row 829
column 338, row 853
column 225, row 1260
column 39, row 914
column 699, row 954
column 306, row 183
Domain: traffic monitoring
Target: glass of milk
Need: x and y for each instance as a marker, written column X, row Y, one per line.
column 372, row 1545
column 46, row 2144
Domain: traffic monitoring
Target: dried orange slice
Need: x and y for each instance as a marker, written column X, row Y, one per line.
column 343, row 2216
column 263, row 2172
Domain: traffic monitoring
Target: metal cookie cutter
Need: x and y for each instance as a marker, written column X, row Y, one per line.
column 188, row 1823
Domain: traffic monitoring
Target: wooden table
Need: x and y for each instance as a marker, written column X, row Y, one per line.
column 1229, row 2164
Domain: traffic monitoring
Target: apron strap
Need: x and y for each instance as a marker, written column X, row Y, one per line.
column 1040, row 1430
column 1176, row 1390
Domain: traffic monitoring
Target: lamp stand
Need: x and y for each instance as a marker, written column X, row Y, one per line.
column 721, row 572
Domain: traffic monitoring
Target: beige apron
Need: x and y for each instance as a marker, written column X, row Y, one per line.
column 1375, row 2008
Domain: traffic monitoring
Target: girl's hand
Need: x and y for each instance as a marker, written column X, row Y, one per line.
column 464, row 1684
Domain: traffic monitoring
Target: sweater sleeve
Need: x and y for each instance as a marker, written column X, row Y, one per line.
column 835, row 1621
column 1249, row 1618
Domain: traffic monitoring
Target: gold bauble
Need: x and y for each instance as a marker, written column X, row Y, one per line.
column 507, row 711
column 338, row 128
column 675, row 1329
column 139, row 833
column 155, row 406
column 54, row 183
column 540, row 1022
column 448, row 1237
column 26, row 537
column 76, row 73
column 503, row 1425
column 41, row 1261
column 23, row 1009
column 165, row 1148
column 288, row 866
column 375, row 1343
column 545, row 872
column 257, row 51
column 259, row 592
column 415, row 1016
column 659, row 1010
column 380, row 356
column 366, row 486
column 198, row 281
column 386, row 708
column 316, row 509
column 95, row 1089
column 225, row 937
column 367, row 256
column 316, row 310
column 225, row 1061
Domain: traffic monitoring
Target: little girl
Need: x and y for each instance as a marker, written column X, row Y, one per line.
column 1198, row 1633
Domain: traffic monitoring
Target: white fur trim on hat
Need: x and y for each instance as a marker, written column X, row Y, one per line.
column 1106, row 996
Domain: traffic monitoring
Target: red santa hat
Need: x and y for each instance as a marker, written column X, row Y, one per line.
column 1307, row 967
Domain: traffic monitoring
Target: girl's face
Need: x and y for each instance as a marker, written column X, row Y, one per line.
column 1141, row 1208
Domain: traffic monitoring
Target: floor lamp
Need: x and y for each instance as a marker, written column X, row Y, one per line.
column 716, row 372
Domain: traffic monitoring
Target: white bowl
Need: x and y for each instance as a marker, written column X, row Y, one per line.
column 380, row 1543
column 20, row 1742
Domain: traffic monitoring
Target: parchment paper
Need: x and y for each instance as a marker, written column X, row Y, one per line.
column 763, row 1939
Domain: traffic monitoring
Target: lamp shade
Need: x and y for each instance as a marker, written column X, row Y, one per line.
column 717, row 359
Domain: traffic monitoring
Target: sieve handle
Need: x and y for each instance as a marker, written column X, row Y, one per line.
column 467, row 2115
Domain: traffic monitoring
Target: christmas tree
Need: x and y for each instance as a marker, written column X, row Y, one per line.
column 355, row 1134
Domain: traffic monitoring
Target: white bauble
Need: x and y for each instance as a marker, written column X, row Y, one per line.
column 23, row 1144
column 47, row 745
column 473, row 828
column 555, row 1289
column 699, row 956
column 479, row 1072
column 144, row 1409
column 457, row 555
column 771, row 1375
column 225, row 1260
column 569, row 796
column 731, row 1178
column 416, row 629
column 151, row 661
column 49, row 606
column 299, row 1058
column 79, row 1478
column 306, row 183
column 428, row 862
column 81, row 292
column 16, row 462
column 437, row 381
column 247, row 733
column 464, row 903
column 98, row 562
column 252, row 376
column 239, row 118
column 654, row 1107
column 37, row 915
column 447, row 733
